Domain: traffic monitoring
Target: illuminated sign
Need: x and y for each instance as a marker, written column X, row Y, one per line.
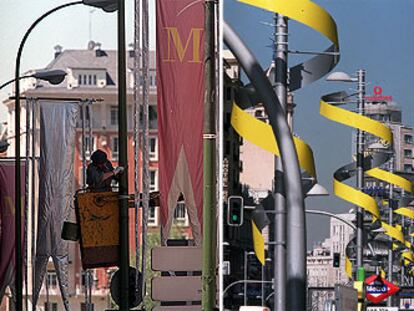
column 378, row 97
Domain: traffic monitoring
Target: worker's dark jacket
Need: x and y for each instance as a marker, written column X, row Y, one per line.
column 95, row 175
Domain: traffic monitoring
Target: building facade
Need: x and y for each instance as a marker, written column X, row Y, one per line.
column 92, row 75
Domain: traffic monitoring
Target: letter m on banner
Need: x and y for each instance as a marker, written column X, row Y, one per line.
column 180, row 87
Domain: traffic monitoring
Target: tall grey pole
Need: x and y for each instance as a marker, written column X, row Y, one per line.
column 390, row 222
column 360, row 174
column 280, row 61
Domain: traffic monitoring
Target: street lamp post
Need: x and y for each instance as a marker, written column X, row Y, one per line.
column 106, row 5
column 360, row 174
column 280, row 54
column 360, row 79
column 123, row 161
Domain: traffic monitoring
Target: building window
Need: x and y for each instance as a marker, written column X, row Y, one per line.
column 408, row 139
column 114, row 148
column 89, row 146
column 152, row 216
column 180, row 214
column 408, row 168
column 153, row 116
column 94, row 80
column 84, row 79
column 51, row 278
column 153, row 149
column 53, row 306
column 113, row 115
column 80, row 79
column 153, row 180
column 89, row 79
column 408, row 153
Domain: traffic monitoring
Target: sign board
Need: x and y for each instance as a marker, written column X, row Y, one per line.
column 176, row 288
column 176, row 258
column 378, row 289
column 346, row 298
column 382, row 309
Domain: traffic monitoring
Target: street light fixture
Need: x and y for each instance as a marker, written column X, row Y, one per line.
column 360, row 79
column 51, row 76
column 106, row 5
column 317, row 191
column 341, row 77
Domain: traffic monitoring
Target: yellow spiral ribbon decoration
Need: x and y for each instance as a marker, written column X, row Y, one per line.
column 259, row 132
column 357, row 197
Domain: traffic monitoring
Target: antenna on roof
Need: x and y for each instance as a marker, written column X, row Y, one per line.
column 90, row 23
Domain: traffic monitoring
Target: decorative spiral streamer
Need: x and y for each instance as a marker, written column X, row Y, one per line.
column 372, row 163
column 259, row 132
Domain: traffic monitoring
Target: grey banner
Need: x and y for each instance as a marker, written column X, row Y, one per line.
column 57, row 146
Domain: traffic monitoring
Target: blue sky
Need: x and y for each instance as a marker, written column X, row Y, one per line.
column 375, row 35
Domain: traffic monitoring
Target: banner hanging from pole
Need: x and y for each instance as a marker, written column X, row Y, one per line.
column 56, row 189
column 7, row 222
column 180, row 90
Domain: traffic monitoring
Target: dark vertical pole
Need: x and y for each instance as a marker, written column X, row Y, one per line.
column 18, row 190
column 209, row 142
column 123, row 160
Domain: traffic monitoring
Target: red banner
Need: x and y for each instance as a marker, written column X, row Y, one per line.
column 7, row 228
column 180, row 90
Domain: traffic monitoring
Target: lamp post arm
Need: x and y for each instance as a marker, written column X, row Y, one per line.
column 12, row 80
column 18, row 211
column 317, row 212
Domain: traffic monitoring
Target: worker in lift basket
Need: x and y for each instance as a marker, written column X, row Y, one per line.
column 100, row 172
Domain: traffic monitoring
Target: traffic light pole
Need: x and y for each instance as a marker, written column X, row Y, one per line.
column 280, row 54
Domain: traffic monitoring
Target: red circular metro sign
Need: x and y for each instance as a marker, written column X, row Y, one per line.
column 377, row 289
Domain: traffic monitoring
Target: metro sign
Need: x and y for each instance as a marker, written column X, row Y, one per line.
column 377, row 289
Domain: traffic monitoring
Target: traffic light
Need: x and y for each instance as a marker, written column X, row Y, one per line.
column 235, row 211
column 336, row 260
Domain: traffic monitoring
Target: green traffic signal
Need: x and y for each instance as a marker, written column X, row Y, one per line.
column 235, row 211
